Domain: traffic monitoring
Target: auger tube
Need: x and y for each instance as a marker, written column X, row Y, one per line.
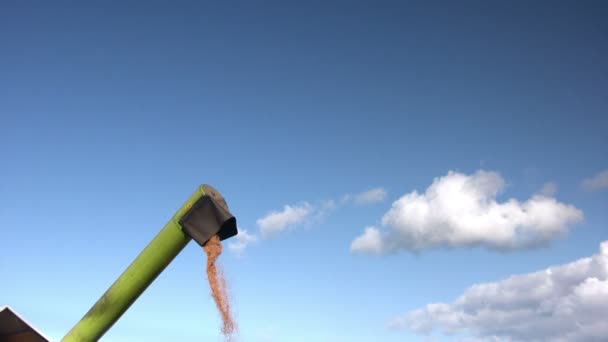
column 167, row 244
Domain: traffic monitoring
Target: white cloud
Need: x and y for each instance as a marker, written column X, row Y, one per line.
column 371, row 196
column 370, row 241
column 277, row 221
column 597, row 182
column 293, row 215
column 243, row 239
column 566, row 303
column 462, row 210
column 324, row 208
column 549, row 189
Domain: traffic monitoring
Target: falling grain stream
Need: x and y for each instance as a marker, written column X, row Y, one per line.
column 217, row 282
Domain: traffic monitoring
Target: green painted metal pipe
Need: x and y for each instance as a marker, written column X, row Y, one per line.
column 136, row 278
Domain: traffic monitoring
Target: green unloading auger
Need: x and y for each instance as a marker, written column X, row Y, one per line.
column 203, row 215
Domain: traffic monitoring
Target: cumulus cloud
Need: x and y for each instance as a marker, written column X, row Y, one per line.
column 370, row 241
column 242, row 240
column 324, row 208
column 292, row 215
column 459, row 210
column 565, row 303
column 277, row 221
column 549, row 189
column 371, row 196
column 597, row 182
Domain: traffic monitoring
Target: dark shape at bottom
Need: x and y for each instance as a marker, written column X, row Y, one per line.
column 14, row 328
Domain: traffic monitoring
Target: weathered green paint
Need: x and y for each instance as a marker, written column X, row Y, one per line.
column 135, row 279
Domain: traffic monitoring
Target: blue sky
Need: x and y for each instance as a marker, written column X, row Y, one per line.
column 111, row 113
